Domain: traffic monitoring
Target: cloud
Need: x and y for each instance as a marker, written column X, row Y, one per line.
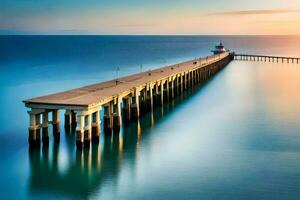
column 257, row 12
column 134, row 25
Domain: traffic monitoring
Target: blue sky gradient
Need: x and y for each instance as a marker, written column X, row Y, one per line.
column 149, row 17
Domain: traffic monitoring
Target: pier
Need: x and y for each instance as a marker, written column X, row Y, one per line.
column 121, row 100
column 266, row 58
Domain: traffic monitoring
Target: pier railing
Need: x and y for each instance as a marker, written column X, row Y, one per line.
column 266, row 58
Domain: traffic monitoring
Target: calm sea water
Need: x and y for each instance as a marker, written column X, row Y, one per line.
column 235, row 137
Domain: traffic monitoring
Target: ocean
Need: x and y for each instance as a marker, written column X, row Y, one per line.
column 236, row 136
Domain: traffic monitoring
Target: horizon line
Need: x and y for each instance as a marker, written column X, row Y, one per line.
column 36, row 34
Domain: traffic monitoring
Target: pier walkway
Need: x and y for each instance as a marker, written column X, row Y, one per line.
column 121, row 99
column 266, row 58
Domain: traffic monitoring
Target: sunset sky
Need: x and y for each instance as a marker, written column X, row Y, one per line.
column 218, row 17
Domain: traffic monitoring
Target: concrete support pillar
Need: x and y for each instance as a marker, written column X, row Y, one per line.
column 193, row 78
column 135, row 105
column 144, row 103
column 168, row 89
column 73, row 119
column 68, row 120
column 190, row 78
column 96, row 126
column 150, row 100
column 32, row 129
column 87, row 130
column 127, row 108
column 178, row 84
column 162, row 92
column 45, row 128
column 117, row 121
column 55, row 124
column 108, row 118
column 38, row 128
column 156, row 89
column 172, row 88
column 185, row 80
column 181, row 83
column 80, row 130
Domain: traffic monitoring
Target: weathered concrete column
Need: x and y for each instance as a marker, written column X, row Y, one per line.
column 117, row 121
column 135, row 106
column 73, row 118
column 181, row 83
column 80, row 130
column 127, row 108
column 143, row 106
column 32, row 129
column 178, row 84
column 171, row 80
column 45, row 128
column 185, row 80
column 150, row 104
column 38, row 128
column 56, row 124
column 168, row 89
column 96, row 126
column 162, row 92
column 108, row 117
column 156, row 89
column 87, row 130
column 68, row 120
column 190, row 78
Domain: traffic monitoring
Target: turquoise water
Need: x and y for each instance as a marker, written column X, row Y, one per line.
column 235, row 137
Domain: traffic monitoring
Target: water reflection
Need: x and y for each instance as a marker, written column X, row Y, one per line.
column 88, row 169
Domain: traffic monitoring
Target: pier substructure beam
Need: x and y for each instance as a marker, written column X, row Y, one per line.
column 45, row 127
column 87, row 129
column 135, row 105
column 80, row 130
column 108, row 118
column 56, row 124
column 96, row 123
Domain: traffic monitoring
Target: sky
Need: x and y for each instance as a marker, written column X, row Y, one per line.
column 159, row 17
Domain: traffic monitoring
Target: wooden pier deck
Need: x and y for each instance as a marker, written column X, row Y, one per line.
column 127, row 95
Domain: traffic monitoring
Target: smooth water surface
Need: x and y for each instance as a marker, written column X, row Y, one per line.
column 235, row 137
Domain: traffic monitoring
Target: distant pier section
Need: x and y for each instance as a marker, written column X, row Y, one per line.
column 266, row 58
column 120, row 100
